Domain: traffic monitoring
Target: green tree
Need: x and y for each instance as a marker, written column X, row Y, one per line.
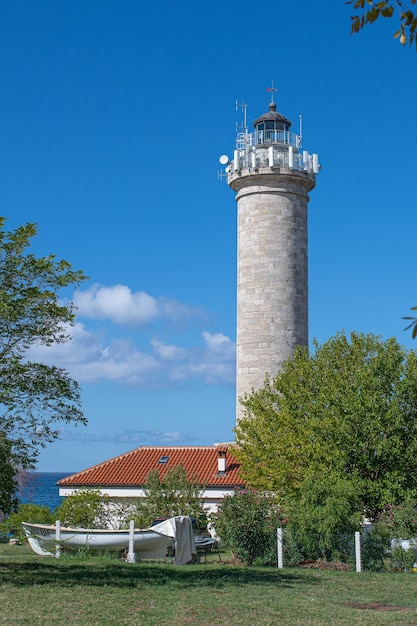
column 324, row 514
column 346, row 411
column 176, row 493
column 85, row 508
column 372, row 10
column 34, row 397
column 34, row 513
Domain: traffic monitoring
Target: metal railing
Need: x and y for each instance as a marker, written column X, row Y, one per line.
column 249, row 158
column 268, row 137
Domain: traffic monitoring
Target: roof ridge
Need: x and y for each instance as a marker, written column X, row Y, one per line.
column 175, row 447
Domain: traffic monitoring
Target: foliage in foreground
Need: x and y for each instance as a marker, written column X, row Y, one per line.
column 247, row 524
column 86, row 508
column 346, row 413
column 372, row 10
column 412, row 323
column 34, row 397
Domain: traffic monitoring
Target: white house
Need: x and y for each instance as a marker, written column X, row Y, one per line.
column 124, row 476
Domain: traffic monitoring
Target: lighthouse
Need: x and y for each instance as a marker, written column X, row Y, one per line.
column 272, row 176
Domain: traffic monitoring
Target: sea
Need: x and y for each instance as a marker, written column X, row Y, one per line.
column 41, row 488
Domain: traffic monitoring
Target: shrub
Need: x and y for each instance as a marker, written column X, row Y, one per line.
column 400, row 519
column 375, row 548
column 246, row 523
column 324, row 515
column 34, row 513
column 86, row 508
column 403, row 559
column 396, row 522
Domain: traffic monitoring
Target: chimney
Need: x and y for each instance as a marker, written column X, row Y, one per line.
column 221, row 463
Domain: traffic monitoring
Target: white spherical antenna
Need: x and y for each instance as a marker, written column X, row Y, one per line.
column 224, row 159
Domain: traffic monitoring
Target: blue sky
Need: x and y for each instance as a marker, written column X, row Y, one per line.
column 112, row 118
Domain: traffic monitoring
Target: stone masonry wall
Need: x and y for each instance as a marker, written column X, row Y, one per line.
column 272, row 286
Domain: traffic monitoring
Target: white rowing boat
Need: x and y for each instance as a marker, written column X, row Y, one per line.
column 148, row 543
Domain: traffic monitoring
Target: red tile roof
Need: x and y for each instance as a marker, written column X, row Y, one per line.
column 132, row 468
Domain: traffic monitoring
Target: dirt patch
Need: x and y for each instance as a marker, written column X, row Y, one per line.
column 377, row 606
column 319, row 564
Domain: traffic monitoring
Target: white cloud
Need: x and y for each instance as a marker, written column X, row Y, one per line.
column 168, row 352
column 140, row 359
column 120, row 305
column 219, row 344
column 121, row 362
column 212, row 364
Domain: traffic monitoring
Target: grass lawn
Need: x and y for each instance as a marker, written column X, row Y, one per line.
column 41, row 591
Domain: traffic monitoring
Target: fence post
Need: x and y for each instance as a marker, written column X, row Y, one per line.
column 279, row 548
column 58, row 538
column 358, row 551
column 131, row 554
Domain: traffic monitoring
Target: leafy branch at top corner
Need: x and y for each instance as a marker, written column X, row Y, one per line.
column 371, row 10
column 413, row 323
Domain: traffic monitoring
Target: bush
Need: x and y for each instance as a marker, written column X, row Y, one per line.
column 400, row 519
column 86, row 508
column 34, row 513
column 246, row 523
column 301, row 545
column 376, row 548
column 395, row 523
column 324, row 516
column 403, row 559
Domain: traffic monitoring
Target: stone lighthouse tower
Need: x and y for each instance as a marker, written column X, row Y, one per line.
column 272, row 177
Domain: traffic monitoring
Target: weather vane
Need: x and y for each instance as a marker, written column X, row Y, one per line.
column 272, row 90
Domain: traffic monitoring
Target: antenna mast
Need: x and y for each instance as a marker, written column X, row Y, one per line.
column 243, row 106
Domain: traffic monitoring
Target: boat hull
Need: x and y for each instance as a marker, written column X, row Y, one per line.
column 147, row 543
